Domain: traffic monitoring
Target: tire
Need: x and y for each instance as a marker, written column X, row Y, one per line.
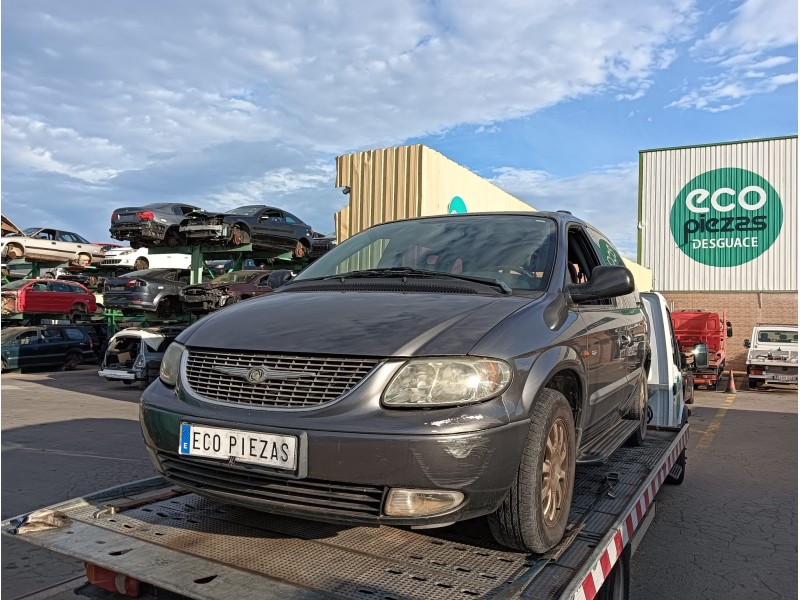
column 231, row 300
column 126, row 382
column 14, row 251
column 141, row 264
column 239, row 235
column 173, row 239
column 79, row 309
column 617, row 584
column 300, row 250
column 526, row 520
column 165, row 307
column 639, row 413
column 49, row 275
column 73, row 360
column 135, row 245
column 84, row 259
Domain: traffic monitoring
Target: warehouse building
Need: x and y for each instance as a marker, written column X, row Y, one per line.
column 718, row 229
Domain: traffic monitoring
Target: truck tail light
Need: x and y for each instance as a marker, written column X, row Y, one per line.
column 146, row 215
column 756, row 372
column 114, row 217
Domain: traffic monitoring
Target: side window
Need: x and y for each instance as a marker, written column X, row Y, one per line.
column 581, row 260
column 52, row 335
column 271, row 214
column 28, row 337
column 169, row 276
column 74, row 334
column 58, row 286
column 608, row 254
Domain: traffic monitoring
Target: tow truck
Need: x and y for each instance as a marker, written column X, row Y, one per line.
column 152, row 539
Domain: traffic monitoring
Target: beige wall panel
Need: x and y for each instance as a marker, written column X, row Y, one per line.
column 443, row 179
column 643, row 277
column 385, row 185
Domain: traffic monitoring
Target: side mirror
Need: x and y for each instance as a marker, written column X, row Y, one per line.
column 747, row 343
column 608, row 281
column 730, row 328
column 700, row 356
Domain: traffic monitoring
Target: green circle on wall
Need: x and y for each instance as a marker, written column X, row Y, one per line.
column 457, row 205
column 726, row 217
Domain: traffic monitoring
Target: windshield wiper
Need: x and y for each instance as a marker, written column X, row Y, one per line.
column 411, row 272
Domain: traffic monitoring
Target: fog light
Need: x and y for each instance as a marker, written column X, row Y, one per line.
column 420, row 503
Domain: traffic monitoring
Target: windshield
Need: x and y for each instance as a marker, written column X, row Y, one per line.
column 30, row 231
column 516, row 249
column 235, row 277
column 246, row 210
column 776, row 336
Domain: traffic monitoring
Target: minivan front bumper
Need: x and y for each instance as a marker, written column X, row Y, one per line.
column 344, row 476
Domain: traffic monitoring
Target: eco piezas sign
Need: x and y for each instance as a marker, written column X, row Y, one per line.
column 726, row 217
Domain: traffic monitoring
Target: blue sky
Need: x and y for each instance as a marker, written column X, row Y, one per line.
column 108, row 104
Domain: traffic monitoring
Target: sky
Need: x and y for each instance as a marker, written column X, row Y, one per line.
column 222, row 104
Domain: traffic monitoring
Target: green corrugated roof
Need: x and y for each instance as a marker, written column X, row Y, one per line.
column 768, row 139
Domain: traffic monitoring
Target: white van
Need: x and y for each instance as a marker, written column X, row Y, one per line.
column 140, row 259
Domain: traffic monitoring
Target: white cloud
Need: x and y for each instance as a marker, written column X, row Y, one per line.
column 603, row 198
column 743, row 52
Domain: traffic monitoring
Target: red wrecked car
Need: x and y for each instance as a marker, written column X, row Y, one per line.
column 53, row 296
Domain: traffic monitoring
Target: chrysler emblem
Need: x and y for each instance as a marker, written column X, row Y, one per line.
column 261, row 374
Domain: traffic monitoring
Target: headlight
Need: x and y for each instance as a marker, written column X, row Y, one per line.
column 124, row 252
column 171, row 364
column 447, row 382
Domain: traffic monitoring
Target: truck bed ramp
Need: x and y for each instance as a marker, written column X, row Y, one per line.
column 200, row 548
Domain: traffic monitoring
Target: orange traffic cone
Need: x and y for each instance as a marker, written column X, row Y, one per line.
column 731, row 389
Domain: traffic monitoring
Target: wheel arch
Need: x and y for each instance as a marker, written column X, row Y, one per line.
column 559, row 368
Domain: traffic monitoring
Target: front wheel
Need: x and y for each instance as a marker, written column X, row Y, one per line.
column 73, row 360
column 84, row 260
column 533, row 515
column 141, row 264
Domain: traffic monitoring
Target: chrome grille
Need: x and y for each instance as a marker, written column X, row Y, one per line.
column 328, row 377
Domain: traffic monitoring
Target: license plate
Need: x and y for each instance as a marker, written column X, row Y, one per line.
column 785, row 377
column 268, row 449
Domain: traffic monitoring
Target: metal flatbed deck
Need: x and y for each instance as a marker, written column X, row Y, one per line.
column 181, row 542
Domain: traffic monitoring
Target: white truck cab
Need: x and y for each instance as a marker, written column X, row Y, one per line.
column 772, row 355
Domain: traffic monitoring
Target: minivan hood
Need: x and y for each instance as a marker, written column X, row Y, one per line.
column 354, row 323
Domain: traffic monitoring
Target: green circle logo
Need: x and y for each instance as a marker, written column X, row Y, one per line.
column 456, row 206
column 726, row 217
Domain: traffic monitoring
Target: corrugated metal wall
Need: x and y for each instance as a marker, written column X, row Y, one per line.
column 385, row 185
column 664, row 177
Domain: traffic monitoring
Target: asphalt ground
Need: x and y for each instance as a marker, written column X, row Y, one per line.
column 730, row 531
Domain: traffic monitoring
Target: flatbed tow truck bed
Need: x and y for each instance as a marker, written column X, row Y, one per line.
column 165, row 538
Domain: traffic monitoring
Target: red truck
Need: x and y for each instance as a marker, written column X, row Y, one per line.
column 698, row 326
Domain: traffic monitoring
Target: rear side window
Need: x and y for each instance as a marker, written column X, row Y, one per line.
column 52, row 335
column 74, row 334
column 58, row 286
